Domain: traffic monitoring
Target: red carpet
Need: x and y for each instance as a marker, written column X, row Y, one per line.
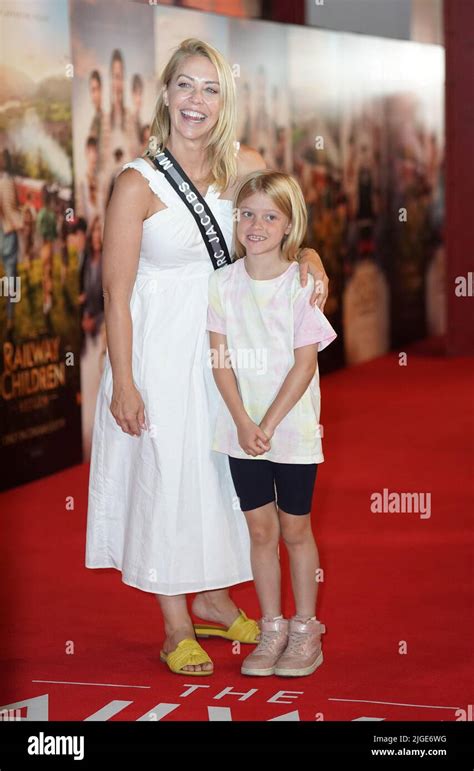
column 394, row 582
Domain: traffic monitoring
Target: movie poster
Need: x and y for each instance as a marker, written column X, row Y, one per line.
column 261, row 78
column 114, row 92
column 366, row 296
column 173, row 25
column 367, row 136
column 314, row 77
column 415, row 134
column 39, row 311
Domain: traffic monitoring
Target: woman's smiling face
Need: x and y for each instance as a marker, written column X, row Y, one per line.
column 194, row 97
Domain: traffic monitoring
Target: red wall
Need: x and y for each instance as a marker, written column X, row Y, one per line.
column 287, row 11
column 459, row 41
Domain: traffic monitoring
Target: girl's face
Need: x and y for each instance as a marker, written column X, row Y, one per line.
column 193, row 97
column 261, row 226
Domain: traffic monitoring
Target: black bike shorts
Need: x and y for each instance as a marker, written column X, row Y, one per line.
column 256, row 481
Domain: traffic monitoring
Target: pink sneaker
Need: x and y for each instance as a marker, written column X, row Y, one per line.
column 273, row 640
column 303, row 653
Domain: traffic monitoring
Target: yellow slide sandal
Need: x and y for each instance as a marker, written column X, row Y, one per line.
column 243, row 629
column 187, row 652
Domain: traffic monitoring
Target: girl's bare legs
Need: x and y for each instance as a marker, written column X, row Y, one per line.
column 217, row 606
column 264, row 530
column 178, row 625
column 304, row 561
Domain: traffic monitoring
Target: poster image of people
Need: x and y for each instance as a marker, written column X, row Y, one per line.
column 40, row 336
column 113, row 96
column 353, row 120
column 418, row 268
column 262, row 90
column 173, row 25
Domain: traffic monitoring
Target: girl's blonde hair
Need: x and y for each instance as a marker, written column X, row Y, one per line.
column 286, row 194
column 221, row 147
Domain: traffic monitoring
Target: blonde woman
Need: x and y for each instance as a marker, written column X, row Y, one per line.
column 162, row 505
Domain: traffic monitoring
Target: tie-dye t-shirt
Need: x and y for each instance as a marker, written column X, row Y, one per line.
column 264, row 320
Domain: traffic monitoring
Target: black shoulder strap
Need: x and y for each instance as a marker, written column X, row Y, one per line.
column 205, row 220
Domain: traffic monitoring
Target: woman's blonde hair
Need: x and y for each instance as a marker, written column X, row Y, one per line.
column 221, row 147
column 287, row 196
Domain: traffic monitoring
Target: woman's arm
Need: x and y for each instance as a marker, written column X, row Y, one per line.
column 295, row 384
column 310, row 260
column 248, row 432
column 122, row 236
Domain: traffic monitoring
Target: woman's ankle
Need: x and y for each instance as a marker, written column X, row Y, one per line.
column 180, row 630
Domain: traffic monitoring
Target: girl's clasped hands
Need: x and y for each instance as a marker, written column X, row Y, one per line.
column 253, row 439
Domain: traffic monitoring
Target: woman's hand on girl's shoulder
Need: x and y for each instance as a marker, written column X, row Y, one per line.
column 310, row 262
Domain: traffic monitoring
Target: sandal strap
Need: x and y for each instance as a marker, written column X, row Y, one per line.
column 187, row 651
column 243, row 628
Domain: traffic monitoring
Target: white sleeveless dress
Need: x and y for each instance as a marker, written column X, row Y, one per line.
column 162, row 507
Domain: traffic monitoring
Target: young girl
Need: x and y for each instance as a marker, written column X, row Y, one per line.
column 264, row 338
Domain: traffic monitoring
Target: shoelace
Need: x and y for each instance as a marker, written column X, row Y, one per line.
column 296, row 642
column 267, row 640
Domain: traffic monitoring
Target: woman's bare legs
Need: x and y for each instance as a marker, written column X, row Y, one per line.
column 215, row 606
column 178, row 625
